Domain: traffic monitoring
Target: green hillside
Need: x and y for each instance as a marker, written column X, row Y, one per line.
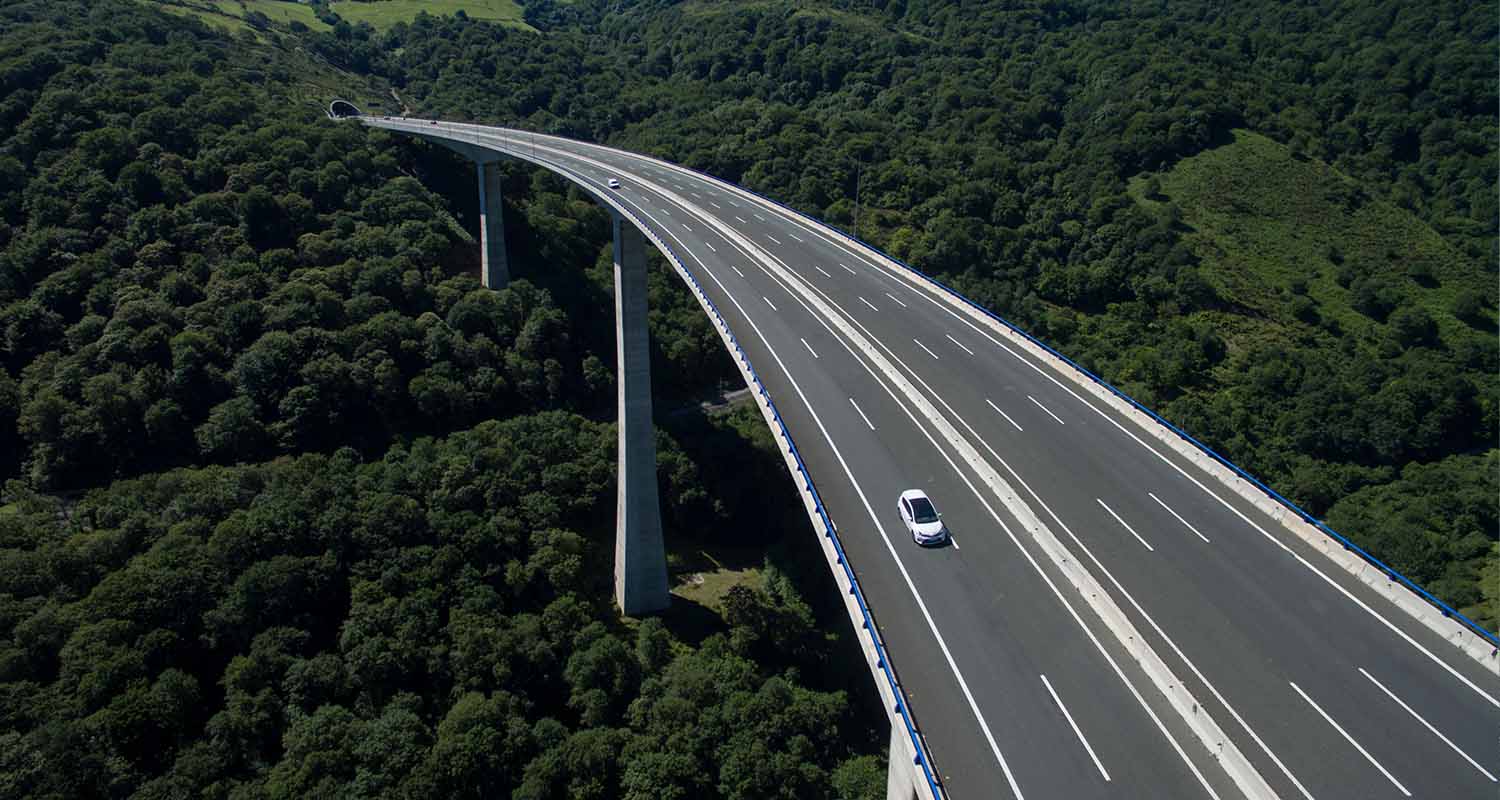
column 1269, row 226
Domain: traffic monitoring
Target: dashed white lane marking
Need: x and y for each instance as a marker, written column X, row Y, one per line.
column 953, row 540
column 798, row 238
column 1446, row 740
column 737, row 270
column 773, row 238
column 903, row 305
column 1074, row 726
column 929, row 352
column 957, row 342
column 1125, row 524
column 824, row 271
column 742, row 219
column 1333, row 584
column 759, row 217
column 716, row 205
column 808, row 346
column 736, row 205
column 846, row 268
column 769, row 303
column 868, row 303
column 862, row 414
column 711, row 247
column 1179, row 517
column 686, row 228
column 1350, row 739
column 695, row 194
column 667, row 211
column 1003, row 414
column 1038, row 404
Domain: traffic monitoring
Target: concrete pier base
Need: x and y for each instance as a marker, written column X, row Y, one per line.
column 495, row 265
column 640, row 558
column 900, row 780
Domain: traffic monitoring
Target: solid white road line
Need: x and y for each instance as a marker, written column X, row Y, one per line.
column 868, row 303
column 773, row 238
column 862, row 414
column 927, row 616
column 846, row 268
column 1127, row 525
column 960, row 344
column 1003, row 414
column 798, row 238
column 768, row 302
column 1178, row 516
column 929, row 352
column 809, row 347
column 1345, row 734
column 1074, row 726
column 1475, row 764
column 711, row 247
column 742, row 219
column 737, row 270
column 1038, row 404
column 824, row 271
column 899, row 303
column 911, row 586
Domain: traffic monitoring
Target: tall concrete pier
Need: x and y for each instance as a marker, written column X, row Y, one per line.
column 640, row 559
column 495, row 269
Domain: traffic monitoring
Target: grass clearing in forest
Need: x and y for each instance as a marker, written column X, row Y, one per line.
column 705, row 579
column 384, row 13
column 231, row 14
column 1269, row 225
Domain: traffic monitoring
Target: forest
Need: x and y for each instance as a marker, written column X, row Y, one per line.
column 293, row 508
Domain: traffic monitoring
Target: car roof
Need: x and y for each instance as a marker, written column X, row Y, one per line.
column 912, row 494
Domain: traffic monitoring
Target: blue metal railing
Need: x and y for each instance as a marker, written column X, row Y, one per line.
column 922, row 758
column 1390, row 572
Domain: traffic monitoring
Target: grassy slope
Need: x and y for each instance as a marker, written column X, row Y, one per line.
column 230, row 14
column 1261, row 219
column 385, row 13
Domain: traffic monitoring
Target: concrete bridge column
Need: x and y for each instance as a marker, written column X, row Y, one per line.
column 640, row 558
column 495, row 265
column 900, row 780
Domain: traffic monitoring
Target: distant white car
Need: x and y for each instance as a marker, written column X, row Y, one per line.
column 614, row 183
column 921, row 518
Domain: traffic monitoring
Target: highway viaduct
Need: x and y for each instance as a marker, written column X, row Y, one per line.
column 1123, row 612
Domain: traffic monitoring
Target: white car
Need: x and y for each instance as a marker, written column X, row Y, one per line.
column 922, row 518
column 614, row 183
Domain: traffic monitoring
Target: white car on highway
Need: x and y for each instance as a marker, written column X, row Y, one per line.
column 922, row 518
column 614, row 183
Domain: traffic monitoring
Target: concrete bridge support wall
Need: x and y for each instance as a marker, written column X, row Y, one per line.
column 900, row 775
column 640, row 558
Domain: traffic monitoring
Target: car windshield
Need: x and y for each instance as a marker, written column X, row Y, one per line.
column 922, row 510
